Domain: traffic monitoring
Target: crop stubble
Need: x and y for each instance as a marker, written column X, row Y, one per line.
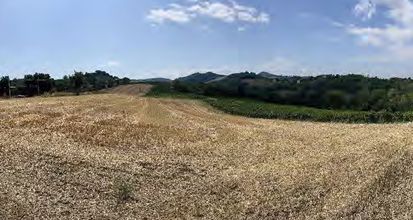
column 64, row 157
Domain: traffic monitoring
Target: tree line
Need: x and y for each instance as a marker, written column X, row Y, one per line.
column 347, row 92
column 41, row 83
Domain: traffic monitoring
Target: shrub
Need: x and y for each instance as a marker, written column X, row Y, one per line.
column 123, row 190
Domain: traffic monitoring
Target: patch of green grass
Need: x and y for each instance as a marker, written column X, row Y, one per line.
column 123, row 191
column 259, row 109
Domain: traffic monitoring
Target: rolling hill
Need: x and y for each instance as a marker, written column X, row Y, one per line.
column 200, row 77
column 153, row 80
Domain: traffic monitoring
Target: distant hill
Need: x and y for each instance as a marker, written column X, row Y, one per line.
column 279, row 77
column 242, row 78
column 270, row 75
column 244, row 75
column 200, row 77
column 152, row 80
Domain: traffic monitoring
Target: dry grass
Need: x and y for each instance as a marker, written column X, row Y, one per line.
column 133, row 89
column 121, row 157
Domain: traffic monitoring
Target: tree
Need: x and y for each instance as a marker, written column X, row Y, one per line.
column 336, row 99
column 38, row 84
column 100, row 80
column 77, row 80
column 62, row 84
column 125, row 81
column 4, row 85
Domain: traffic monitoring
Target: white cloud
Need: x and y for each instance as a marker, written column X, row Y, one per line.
column 228, row 12
column 113, row 63
column 177, row 15
column 215, row 10
column 365, row 8
column 400, row 11
column 396, row 37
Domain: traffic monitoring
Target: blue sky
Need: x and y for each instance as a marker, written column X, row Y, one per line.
column 171, row 38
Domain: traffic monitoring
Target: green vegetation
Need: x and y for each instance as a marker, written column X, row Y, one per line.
column 41, row 83
column 123, row 190
column 261, row 109
column 4, row 85
column 343, row 92
column 166, row 90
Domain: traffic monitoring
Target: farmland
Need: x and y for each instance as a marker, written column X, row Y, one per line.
column 118, row 156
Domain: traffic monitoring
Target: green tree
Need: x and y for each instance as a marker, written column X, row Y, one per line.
column 77, row 80
column 4, row 85
column 125, row 81
column 62, row 84
column 38, row 84
column 335, row 99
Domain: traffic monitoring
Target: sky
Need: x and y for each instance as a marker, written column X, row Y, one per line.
column 172, row 38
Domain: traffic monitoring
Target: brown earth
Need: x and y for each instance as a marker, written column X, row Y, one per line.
column 115, row 156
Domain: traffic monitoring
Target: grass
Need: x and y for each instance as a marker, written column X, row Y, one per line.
column 66, row 157
column 123, row 190
column 259, row 109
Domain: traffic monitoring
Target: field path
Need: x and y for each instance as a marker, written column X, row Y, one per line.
column 122, row 156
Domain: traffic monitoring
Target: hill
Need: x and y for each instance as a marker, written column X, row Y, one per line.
column 200, row 77
column 272, row 76
column 152, row 80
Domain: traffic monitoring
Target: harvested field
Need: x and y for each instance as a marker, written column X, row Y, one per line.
column 134, row 89
column 113, row 156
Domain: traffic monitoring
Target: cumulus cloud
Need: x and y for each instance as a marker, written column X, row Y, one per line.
column 400, row 11
column 228, row 12
column 174, row 14
column 396, row 36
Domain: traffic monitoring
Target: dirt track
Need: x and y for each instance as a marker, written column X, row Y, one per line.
column 77, row 158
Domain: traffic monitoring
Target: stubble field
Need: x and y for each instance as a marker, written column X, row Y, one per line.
column 113, row 156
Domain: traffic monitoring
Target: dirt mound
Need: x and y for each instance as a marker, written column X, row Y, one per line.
column 135, row 89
